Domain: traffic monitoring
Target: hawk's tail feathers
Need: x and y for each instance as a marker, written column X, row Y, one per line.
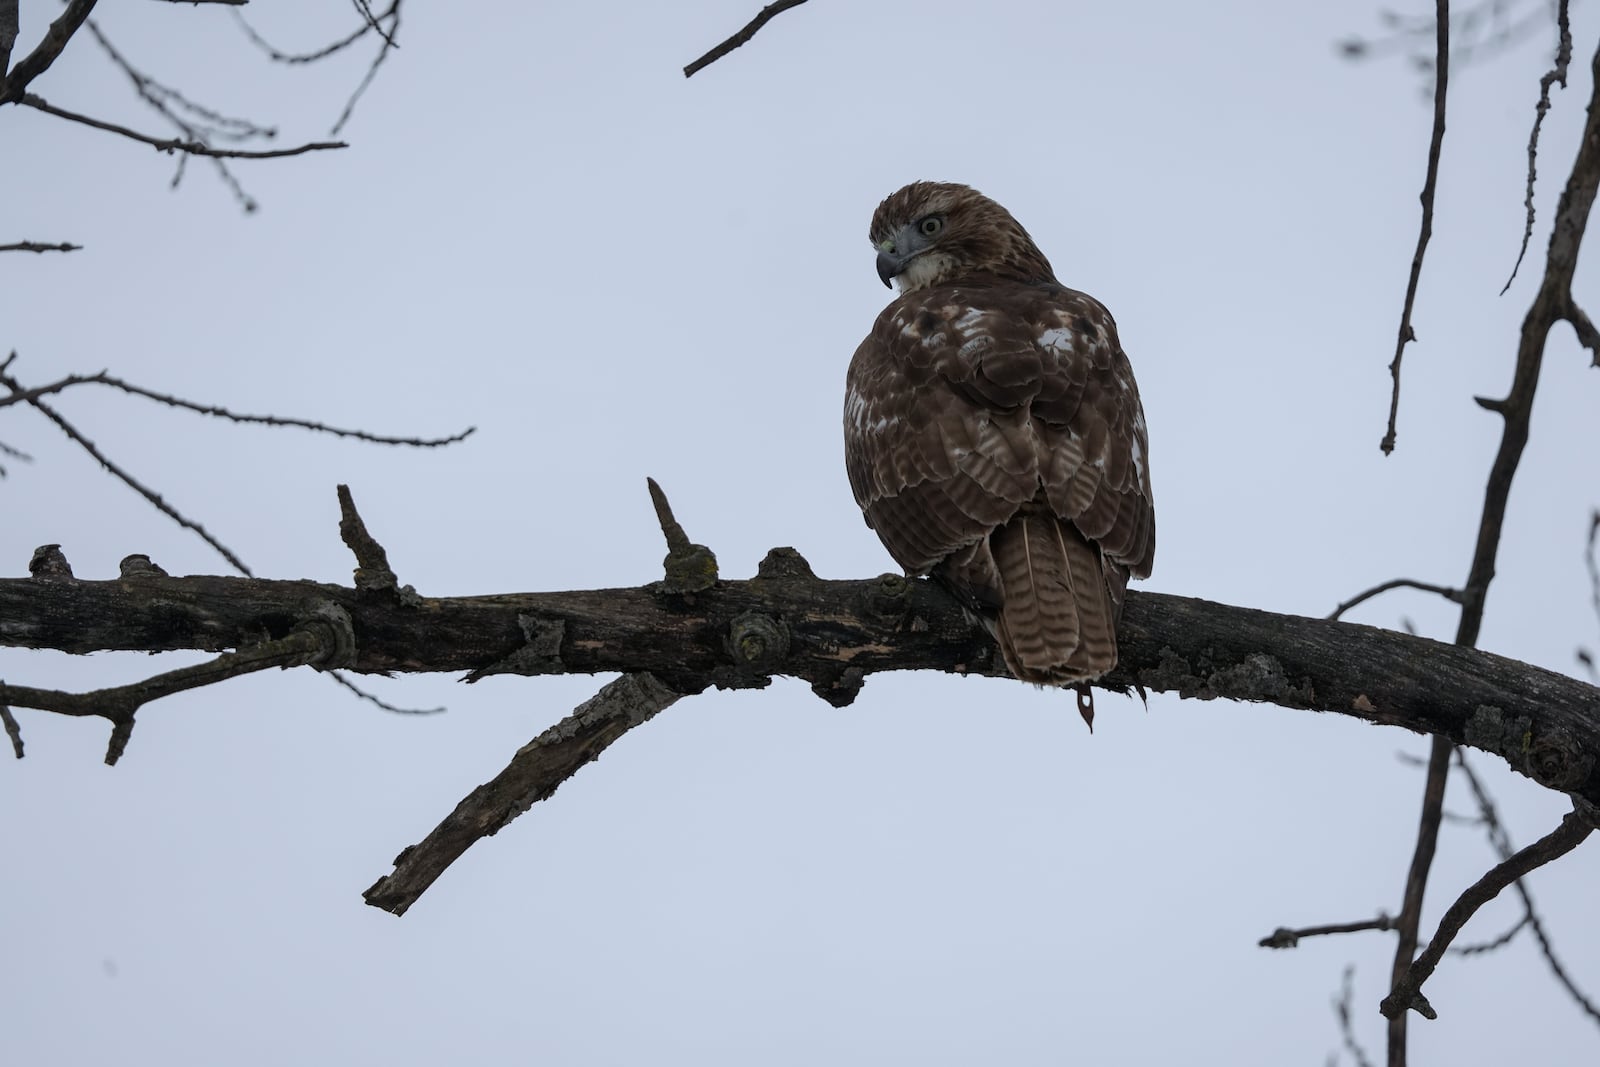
column 1058, row 619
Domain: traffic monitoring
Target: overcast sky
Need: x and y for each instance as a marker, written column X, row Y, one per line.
column 542, row 230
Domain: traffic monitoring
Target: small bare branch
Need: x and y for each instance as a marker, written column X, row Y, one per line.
column 1407, row 992
column 118, row 705
column 751, row 28
column 1407, row 332
column 339, row 677
column 1483, row 947
column 13, row 729
column 172, row 144
column 534, row 774
column 1283, row 937
column 1556, row 75
column 1452, row 595
column 1500, row 841
column 1417, row 883
column 372, row 562
column 35, row 246
column 127, row 479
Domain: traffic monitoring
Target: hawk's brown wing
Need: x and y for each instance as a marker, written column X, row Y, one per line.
column 970, row 404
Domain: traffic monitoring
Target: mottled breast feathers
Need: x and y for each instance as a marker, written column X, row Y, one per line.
column 994, row 439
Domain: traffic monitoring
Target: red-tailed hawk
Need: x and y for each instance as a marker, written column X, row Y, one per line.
column 994, row 437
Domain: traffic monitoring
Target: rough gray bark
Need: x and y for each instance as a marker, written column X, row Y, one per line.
column 832, row 634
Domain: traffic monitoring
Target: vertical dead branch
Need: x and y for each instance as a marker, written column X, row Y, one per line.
column 1441, row 73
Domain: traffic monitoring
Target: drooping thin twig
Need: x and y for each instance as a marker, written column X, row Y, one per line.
column 1407, row 992
column 370, row 23
column 1556, row 75
column 127, row 479
column 1347, row 1030
column 534, row 774
column 1407, row 333
column 35, row 246
column 1452, row 595
column 751, row 28
column 1283, row 937
column 173, row 144
column 49, row 49
column 338, row 676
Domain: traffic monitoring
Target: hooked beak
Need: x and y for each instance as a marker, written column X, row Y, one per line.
column 889, row 265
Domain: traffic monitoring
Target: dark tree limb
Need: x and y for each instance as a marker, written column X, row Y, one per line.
column 1283, row 937
column 1501, row 842
column 738, row 40
column 834, row 633
column 35, row 246
column 534, row 774
column 1441, row 74
column 1407, row 992
column 49, row 49
column 321, row 638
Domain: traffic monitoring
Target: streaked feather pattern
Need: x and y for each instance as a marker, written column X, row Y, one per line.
column 995, row 440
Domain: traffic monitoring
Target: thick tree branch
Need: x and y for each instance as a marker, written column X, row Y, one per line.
column 834, row 633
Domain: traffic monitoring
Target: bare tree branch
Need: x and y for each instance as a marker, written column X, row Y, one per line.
column 751, row 28
column 534, row 774
column 1283, row 937
column 39, row 60
column 173, row 144
column 1452, row 595
column 35, row 246
column 104, row 378
column 121, row 475
column 370, row 24
column 1407, row 332
column 1501, row 842
column 9, row 28
column 1347, row 1031
column 1407, row 992
column 1556, row 75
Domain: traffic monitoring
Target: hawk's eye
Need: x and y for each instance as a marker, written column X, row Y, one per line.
column 931, row 225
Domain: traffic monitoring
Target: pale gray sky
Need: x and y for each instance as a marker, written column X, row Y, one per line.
column 543, row 230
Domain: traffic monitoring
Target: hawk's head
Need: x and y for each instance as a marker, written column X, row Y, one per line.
column 932, row 233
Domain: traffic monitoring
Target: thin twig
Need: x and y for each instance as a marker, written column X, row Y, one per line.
column 172, row 144
column 1483, row 947
column 1452, row 595
column 751, row 28
column 35, row 246
column 103, row 378
column 1407, row 992
column 339, row 677
column 1283, row 937
column 1347, row 1030
column 1556, row 75
column 127, row 479
column 1407, row 332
